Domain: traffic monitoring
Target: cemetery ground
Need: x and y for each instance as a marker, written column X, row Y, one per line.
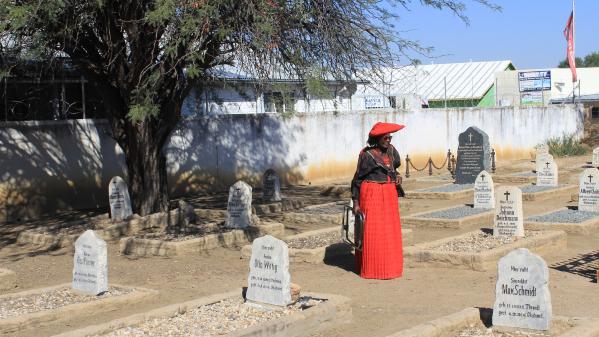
column 379, row 307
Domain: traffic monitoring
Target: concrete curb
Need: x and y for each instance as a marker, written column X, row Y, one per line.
column 584, row 327
column 515, row 178
column 8, row 279
column 584, row 227
column 319, row 254
column 548, row 194
column 278, row 207
column 234, row 238
column 417, row 221
column 423, row 255
column 419, row 194
column 37, row 319
column 336, row 310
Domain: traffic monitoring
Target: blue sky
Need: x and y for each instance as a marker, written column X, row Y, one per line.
column 528, row 32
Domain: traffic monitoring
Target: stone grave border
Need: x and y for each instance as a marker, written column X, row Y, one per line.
column 548, row 194
column 71, row 311
column 515, row 178
column 439, row 327
column 8, row 279
column 311, row 217
column 318, row 254
column 584, row 227
column 422, row 255
column 112, row 232
column 234, row 238
column 336, row 310
column 417, row 221
column 419, row 194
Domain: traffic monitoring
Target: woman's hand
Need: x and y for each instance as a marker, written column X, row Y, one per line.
column 356, row 208
column 398, row 180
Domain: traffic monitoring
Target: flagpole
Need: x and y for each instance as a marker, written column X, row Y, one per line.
column 574, row 49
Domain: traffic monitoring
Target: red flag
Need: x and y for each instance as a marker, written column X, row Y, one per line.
column 569, row 35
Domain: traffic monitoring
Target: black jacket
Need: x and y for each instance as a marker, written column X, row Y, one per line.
column 371, row 167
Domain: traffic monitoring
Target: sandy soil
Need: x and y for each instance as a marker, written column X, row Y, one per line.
column 379, row 307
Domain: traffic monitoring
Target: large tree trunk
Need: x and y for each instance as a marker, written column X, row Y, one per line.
column 146, row 166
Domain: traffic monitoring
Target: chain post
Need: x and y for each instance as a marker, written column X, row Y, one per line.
column 430, row 166
column 449, row 160
column 493, row 167
column 453, row 166
column 407, row 166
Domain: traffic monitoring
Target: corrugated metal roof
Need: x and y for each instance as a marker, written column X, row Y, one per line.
column 469, row 80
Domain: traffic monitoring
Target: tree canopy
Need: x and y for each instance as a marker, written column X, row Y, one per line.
column 590, row 60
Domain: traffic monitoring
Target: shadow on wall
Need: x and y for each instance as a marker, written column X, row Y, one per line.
column 54, row 166
column 210, row 154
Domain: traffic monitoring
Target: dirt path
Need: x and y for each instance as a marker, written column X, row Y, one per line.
column 379, row 307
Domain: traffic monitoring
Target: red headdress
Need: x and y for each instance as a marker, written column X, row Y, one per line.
column 381, row 128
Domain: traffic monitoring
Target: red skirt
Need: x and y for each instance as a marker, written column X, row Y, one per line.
column 382, row 254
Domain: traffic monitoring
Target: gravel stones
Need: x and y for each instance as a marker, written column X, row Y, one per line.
column 479, row 330
column 53, row 299
column 324, row 209
column 524, row 174
column 214, row 319
column 186, row 233
column 478, row 241
column 535, row 188
column 564, row 216
column 315, row 241
column 455, row 213
column 448, row 188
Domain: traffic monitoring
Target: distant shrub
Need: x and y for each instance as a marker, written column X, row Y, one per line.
column 566, row 145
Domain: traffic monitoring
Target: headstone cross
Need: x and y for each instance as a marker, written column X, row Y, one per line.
column 590, row 178
column 483, row 177
column 507, row 194
column 470, row 137
column 547, row 164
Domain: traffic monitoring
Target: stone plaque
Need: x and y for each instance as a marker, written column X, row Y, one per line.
column 508, row 219
column 588, row 192
column 484, row 191
column 269, row 280
column 239, row 206
column 547, row 172
column 118, row 197
column 473, row 155
column 90, row 264
column 595, row 160
column 522, row 297
column 271, row 186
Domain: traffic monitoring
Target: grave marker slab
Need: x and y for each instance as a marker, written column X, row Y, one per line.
column 269, row 280
column 522, row 297
column 90, row 264
column 595, row 160
column 118, row 197
column 484, row 191
column 271, row 186
column 239, row 206
column 542, row 150
column 508, row 219
column 473, row 155
column 588, row 191
column 547, row 172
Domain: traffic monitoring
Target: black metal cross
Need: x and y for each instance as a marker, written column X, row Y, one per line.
column 547, row 164
column 590, row 178
column 507, row 194
column 483, row 177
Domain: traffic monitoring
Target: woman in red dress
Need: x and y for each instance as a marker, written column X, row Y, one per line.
column 374, row 193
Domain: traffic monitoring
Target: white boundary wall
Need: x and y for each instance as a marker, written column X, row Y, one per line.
column 49, row 166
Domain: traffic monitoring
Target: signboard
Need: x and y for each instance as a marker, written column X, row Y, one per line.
column 531, row 98
column 374, row 102
column 534, row 80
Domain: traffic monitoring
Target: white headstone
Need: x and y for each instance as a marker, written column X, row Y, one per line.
column 118, row 197
column 522, row 297
column 484, row 191
column 508, row 219
column 542, row 150
column 588, row 192
column 269, row 280
column 90, row 264
column 547, row 173
column 239, row 206
column 596, row 157
column 271, row 186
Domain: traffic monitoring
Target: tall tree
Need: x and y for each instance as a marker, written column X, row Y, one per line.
column 590, row 60
column 144, row 56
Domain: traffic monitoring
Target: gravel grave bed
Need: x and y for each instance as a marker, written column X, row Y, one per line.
column 455, row 213
column 326, row 209
column 479, row 241
column 214, row 319
column 448, row 188
column 56, row 298
column 535, row 188
column 315, row 241
column 565, row 216
column 480, row 330
column 524, row 174
column 184, row 233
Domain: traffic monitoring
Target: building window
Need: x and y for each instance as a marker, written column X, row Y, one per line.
column 595, row 112
column 279, row 102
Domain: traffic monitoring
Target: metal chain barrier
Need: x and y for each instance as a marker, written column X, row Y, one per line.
column 429, row 164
